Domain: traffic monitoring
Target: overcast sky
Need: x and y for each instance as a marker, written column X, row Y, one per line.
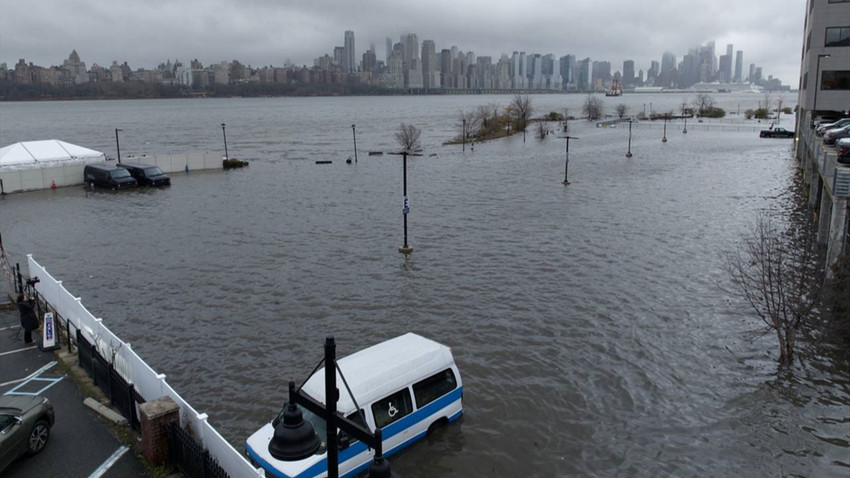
column 271, row 32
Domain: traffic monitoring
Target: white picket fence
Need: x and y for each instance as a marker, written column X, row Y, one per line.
column 147, row 382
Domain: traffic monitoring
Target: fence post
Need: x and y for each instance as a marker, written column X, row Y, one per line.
column 202, row 417
column 161, row 378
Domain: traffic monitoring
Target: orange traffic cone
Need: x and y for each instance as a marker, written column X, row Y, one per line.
column 53, row 185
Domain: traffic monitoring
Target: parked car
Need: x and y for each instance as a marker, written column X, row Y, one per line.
column 833, row 135
column 842, row 147
column 776, row 133
column 146, row 175
column 108, row 176
column 25, row 422
column 822, row 128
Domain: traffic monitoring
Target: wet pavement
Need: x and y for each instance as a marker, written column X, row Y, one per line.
column 81, row 443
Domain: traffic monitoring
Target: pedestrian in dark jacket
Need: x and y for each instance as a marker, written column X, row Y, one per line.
column 29, row 321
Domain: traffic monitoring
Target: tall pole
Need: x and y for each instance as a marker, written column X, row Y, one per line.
column 331, row 397
column 355, row 142
column 685, row 131
column 629, row 152
column 118, row 146
column 664, row 138
column 817, row 84
column 567, row 161
column 226, row 157
column 463, row 133
column 405, row 249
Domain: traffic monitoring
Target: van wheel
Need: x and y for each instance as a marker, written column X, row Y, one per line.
column 436, row 425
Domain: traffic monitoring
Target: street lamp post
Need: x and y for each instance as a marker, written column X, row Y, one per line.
column 685, row 131
column 664, row 137
column 463, row 134
column 406, row 248
column 353, row 132
column 567, row 161
column 118, row 146
column 629, row 152
column 817, row 84
column 226, row 157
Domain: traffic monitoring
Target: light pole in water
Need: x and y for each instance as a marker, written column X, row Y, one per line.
column 463, row 134
column 353, row 132
column 118, row 146
column 406, row 248
column 629, row 152
column 685, row 131
column 567, row 161
column 664, row 138
column 226, row 157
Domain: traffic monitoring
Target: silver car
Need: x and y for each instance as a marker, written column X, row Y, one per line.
column 25, row 422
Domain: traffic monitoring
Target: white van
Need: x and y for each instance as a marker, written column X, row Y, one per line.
column 406, row 386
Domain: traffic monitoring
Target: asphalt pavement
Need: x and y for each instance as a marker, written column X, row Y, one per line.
column 81, row 443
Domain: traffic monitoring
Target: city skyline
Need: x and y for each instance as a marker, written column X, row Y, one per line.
column 271, row 33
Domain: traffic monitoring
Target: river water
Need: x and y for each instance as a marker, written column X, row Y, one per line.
column 588, row 320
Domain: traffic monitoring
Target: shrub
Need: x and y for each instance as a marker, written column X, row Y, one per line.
column 714, row 112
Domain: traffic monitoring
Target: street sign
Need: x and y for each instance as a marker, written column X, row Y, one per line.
column 48, row 338
column 406, row 208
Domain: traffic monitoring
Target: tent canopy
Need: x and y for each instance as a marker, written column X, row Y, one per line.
column 50, row 152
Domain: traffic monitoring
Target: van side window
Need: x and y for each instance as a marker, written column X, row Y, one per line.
column 388, row 410
column 434, row 387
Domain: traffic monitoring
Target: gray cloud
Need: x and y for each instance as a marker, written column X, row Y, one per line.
column 265, row 32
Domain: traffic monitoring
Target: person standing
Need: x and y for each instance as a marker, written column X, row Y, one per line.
column 29, row 321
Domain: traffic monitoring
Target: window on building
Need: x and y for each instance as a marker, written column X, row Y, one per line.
column 809, row 41
column 838, row 1
column 837, row 36
column 805, row 81
column 835, row 80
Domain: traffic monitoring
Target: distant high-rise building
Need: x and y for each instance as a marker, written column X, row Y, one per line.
column 411, row 47
column 628, row 73
column 446, row 68
column 348, row 63
column 739, row 66
column 752, row 74
column 523, row 71
column 668, row 74
column 584, row 79
column 389, row 50
column 369, row 61
column 429, row 64
column 339, row 56
column 568, row 71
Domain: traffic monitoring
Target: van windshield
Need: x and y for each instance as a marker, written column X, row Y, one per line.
column 153, row 171
column 119, row 173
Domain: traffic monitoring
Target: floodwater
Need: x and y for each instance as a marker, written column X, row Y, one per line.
column 588, row 320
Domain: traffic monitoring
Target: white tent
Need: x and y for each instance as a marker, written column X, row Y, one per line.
column 43, row 164
column 46, row 153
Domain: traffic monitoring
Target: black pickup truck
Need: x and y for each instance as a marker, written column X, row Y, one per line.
column 776, row 133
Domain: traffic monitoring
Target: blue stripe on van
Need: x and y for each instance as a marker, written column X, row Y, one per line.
column 359, row 447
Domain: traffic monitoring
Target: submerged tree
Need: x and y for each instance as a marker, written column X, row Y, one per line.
column 408, row 137
column 467, row 124
column 778, row 273
column 621, row 109
column 592, row 107
column 520, row 110
column 703, row 103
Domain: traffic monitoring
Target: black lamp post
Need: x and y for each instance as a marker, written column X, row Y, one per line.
column 463, row 134
column 664, row 137
column 685, row 131
column 817, row 84
column 354, row 132
column 226, row 157
column 567, row 161
column 294, row 439
column 629, row 152
column 406, row 248
column 118, row 146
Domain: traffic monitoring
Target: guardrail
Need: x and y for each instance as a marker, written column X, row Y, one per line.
column 147, row 382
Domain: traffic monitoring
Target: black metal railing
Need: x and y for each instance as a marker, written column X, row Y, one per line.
column 189, row 456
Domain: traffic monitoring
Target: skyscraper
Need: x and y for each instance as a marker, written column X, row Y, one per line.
column 349, row 65
column 628, row 73
column 429, row 64
column 739, row 66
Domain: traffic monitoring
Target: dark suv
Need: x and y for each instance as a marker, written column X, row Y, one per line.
column 146, row 174
column 108, row 176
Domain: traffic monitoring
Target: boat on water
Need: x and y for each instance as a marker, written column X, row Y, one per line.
column 615, row 90
column 406, row 386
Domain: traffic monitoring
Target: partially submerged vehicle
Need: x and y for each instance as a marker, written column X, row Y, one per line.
column 406, row 387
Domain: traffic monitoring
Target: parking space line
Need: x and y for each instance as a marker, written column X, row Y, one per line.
column 18, row 350
column 10, row 327
column 32, row 375
column 109, row 462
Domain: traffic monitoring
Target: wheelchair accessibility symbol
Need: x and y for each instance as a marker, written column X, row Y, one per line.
column 392, row 411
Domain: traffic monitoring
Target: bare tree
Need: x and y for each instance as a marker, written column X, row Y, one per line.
column 467, row 123
column 703, row 103
column 408, row 137
column 542, row 130
column 520, row 109
column 592, row 108
column 622, row 109
column 778, row 273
